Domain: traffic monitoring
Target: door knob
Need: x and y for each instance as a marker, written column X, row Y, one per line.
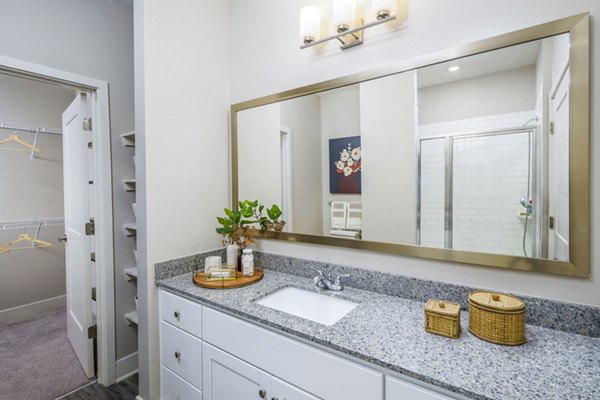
column 262, row 393
column 177, row 355
column 176, row 314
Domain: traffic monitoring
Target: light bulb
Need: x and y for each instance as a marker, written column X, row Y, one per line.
column 343, row 15
column 383, row 8
column 310, row 24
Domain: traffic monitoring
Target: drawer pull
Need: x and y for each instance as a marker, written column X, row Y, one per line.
column 262, row 393
column 274, row 398
column 177, row 355
column 176, row 314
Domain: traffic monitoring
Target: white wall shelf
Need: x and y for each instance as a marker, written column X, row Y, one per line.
column 130, row 229
column 129, row 185
column 128, row 139
column 132, row 318
column 130, row 273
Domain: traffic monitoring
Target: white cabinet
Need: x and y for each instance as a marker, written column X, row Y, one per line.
column 316, row 371
column 398, row 389
column 227, row 377
column 206, row 354
column 284, row 391
column 180, row 348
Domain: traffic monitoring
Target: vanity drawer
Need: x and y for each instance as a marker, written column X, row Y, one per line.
column 398, row 389
column 315, row 371
column 173, row 387
column 182, row 313
column 181, row 353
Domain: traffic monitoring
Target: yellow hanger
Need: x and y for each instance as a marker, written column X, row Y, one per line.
column 23, row 237
column 14, row 138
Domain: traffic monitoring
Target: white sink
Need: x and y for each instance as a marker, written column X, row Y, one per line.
column 316, row 307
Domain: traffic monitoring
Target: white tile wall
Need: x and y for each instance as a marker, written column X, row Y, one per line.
column 490, row 177
column 433, row 175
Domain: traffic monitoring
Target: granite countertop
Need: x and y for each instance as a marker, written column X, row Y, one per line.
column 388, row 331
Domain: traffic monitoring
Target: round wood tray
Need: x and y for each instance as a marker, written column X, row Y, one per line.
column 240, row 281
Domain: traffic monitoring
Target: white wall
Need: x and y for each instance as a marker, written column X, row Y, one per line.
column 498, row 93
column 32, row 189
column 259, row 155
column 303, row 117
column 340, row 117
column 275, row 63
column 387, row 120
column 93, row 38
column 182, row 103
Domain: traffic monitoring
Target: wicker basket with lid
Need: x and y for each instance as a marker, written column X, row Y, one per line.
column 497, row 317
column 442, row 318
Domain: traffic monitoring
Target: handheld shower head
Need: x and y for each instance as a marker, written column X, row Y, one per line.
column 527, row 204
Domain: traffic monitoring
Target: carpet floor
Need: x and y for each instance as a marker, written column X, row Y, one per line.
column 37, row 361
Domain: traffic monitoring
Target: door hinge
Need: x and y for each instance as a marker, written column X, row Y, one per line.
column 92, row 332
column 551, row 222
column 87, row 124
column 94, row 293
column 90, row 227
column 552, row 127
column 93, row 257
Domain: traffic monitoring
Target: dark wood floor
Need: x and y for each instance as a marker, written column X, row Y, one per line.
column 124, row 390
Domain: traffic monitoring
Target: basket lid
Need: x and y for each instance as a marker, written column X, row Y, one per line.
column 497, row 301
column 442, row 307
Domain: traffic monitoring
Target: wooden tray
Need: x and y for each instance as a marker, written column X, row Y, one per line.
column 240, row 281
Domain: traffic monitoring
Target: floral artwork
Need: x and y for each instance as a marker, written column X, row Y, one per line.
column 345, row 165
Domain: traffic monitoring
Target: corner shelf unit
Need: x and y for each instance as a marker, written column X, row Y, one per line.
column 130, row 274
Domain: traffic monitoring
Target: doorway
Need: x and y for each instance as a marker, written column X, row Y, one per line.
column 94, row 164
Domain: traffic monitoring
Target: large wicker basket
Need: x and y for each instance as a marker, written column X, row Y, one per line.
column 497, row 318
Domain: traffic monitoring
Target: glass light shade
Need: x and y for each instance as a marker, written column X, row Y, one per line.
column 383, row 8
column 343, row 14
column 310, row 24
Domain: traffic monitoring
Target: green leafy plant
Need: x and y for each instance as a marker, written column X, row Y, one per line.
column 240, row 226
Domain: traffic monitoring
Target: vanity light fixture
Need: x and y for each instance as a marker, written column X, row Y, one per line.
column 346, row 26
column 454, row 68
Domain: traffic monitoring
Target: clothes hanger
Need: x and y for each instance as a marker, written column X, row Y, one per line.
column 14, row 138
column 24, row 237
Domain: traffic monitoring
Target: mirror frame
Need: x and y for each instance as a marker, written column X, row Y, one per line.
column 579, row 165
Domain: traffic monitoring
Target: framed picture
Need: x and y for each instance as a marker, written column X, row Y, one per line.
column 345, row 165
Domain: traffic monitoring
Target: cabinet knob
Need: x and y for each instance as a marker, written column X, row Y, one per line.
column 177, row 355
column 176, row 314
column 262, row 393
column 274, row 398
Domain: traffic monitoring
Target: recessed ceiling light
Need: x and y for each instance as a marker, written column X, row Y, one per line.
column 454, row 68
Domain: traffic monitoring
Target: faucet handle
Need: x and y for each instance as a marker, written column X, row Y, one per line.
column 321, row 275
column 337, row 280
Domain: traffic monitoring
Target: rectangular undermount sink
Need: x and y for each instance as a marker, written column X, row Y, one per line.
column 316, row 307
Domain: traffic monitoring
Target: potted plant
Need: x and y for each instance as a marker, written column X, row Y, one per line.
column 238, row 227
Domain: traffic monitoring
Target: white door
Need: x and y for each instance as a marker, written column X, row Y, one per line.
column 78, row 246
column 558, row 243
column 225, row 377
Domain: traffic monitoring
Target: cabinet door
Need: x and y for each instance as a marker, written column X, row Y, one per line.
column 281, row 390
column 397, row 389
column 172, row 387
column 228, row 378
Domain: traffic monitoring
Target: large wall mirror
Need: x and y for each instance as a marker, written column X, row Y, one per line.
column 478, row 154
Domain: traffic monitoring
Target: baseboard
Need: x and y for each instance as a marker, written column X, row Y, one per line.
column 31, row 310
column 127, row 366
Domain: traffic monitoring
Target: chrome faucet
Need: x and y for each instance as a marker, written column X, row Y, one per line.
column 325, row 282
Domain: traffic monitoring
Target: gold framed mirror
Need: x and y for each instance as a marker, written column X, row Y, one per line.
column 512, row 124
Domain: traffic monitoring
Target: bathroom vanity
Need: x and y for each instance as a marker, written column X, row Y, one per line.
column 223, row 345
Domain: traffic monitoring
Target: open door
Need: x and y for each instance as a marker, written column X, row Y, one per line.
column 78, row 245
column 558, row 243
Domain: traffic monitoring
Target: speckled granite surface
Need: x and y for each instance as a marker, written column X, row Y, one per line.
column 388, row 331
column 567, row 317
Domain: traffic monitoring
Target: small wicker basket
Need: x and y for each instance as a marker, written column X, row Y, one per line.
column 497, row 318
column 442, row 318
